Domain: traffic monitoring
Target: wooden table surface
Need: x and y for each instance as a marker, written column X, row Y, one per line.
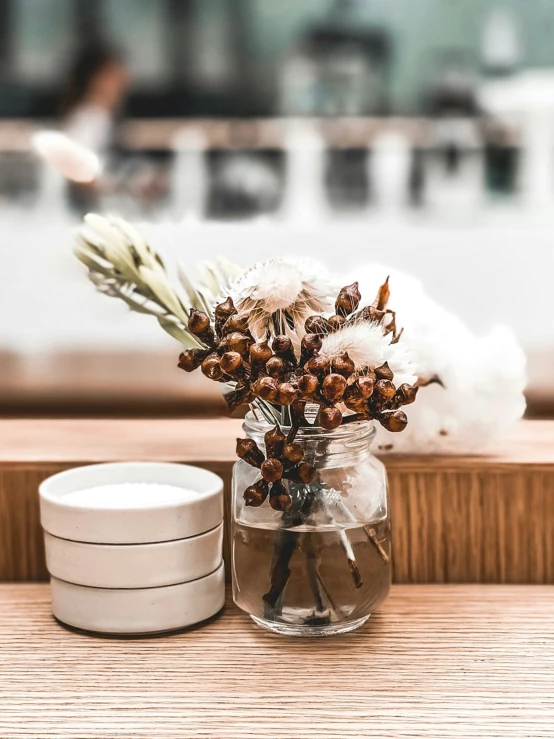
column 438, row 661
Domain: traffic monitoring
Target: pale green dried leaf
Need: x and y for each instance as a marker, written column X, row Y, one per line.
column 157, row 281
column 194, row 299
column 229, row 270
column 137, row 304
column 136, row 240
column 211, row 278
column 92, row 261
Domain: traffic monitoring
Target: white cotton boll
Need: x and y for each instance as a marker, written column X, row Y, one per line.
column 483, row 377
column 72, row 160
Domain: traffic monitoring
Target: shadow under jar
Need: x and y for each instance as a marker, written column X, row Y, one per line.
column 322, row 567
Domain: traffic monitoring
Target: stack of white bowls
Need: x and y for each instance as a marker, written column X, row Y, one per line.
column 134, row 547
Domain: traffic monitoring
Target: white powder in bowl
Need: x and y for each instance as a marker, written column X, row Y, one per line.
column 129, row 495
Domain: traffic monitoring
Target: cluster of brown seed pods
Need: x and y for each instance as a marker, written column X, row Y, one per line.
column 274, row 374
column 283, row 460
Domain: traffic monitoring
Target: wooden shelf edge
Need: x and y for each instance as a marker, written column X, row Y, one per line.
column 455, row 519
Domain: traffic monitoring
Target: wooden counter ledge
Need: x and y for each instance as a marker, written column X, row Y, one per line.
column 466, row 519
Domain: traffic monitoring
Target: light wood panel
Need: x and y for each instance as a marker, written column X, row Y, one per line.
column 481, row 518
column 436, row 662
column 116, row 383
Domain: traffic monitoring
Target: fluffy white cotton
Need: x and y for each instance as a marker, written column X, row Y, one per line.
column 483, row 377
column 73, row 161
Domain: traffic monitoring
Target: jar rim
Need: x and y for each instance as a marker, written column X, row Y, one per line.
column 252, row 425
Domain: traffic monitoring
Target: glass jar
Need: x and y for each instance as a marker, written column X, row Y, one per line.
column 323, row 566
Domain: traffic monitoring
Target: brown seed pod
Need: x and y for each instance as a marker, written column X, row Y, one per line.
column 274, row 442
column 395, row 421
column 385, row 388
column 225, row 309
column 317, row 325
column 281, row 344
column 286, row 393
column 222, row 312
column 235, row 322
column 275, row 367
column 354, row 400
column 348, row 300
column 279, row 499
column 365, row 385
column 248, row 450
column 272, row 470
column 335, row 322
column 308, row 385
column 256, row 494
column 230, row 362
column 318, row 365
column 329, row 418
column 359, row 405
column 370, row 313
column 343, row 365
column 293, row 453
column 238, row 342
column 333, row 387
column 198, row 322
column 405, row 394
column 310, row 343
column 211, row 367
column 302, row 473
column 191, row 359
column 368, row 372
column 266, row 388
column 384, row 372
column 282, row 347
column 241, row 394
column 260, row 352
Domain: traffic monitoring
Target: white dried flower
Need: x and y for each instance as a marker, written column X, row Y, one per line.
column 367, row 346
column 279, row 294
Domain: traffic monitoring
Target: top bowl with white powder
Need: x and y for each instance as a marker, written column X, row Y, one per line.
column 131, row 503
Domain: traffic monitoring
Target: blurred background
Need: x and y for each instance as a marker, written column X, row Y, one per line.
column 415, row 134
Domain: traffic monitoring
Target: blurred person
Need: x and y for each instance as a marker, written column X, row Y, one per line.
column 96, row 88
column 92, row 99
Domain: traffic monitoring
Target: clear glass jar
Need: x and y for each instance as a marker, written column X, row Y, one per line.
column 323, row 566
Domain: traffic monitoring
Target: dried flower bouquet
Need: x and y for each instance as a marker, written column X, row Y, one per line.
column 278, row 341
column 275, row 347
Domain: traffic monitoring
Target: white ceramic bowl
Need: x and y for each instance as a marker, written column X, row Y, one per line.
column 134, row 565
column 141, row 611
column 140, row 524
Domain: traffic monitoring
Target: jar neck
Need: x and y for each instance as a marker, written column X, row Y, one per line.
column 346, row 445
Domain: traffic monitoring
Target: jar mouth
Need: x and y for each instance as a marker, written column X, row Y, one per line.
column 356, row 429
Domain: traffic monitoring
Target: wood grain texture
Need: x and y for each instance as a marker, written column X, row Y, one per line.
column 484, row 518
column 436, row 662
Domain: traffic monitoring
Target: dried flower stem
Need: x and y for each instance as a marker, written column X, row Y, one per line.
column 372, row 536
